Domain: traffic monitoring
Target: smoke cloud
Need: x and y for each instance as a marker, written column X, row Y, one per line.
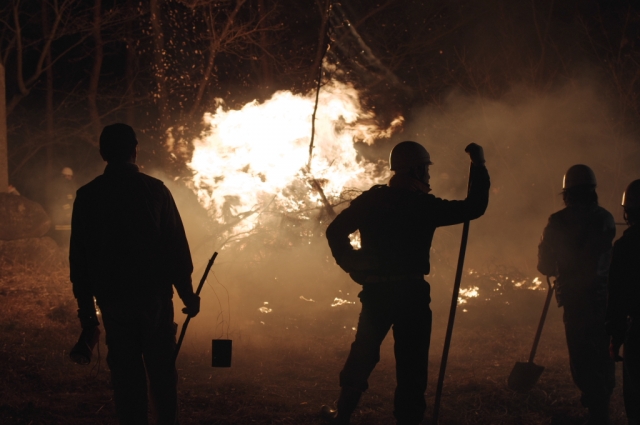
column 276, row 280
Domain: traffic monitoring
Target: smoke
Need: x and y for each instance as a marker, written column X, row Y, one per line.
column 530, row 140
column 273, row 282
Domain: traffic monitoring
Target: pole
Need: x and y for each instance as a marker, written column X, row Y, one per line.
column 536, row 340
column 452, row 315
column 186, row 322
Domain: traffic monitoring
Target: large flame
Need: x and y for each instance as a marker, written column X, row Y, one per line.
column 256, row 159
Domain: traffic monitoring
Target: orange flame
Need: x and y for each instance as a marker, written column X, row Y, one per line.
column 254, row 159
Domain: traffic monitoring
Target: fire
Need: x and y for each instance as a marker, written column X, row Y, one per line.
column 466, row 293
column 265, row 309
column 254, row 160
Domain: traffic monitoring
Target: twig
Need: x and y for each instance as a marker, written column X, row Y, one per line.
column 314, row 182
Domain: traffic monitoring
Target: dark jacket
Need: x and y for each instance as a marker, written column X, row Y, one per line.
column 397, row 225
column 576, row 247
column 624, row 283
column 127, row 239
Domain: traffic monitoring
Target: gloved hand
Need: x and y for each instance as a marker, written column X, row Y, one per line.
column 191, row 305
column 476, row 153
column 614, row 350
column 359, row 261
column 82, row 352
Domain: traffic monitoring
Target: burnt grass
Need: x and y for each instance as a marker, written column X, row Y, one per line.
column 284, row 370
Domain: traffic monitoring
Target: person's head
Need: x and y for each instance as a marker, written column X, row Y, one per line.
column 118, row 143
column 67, row 173
column 579, row 186
column 412, row 159
column 631, row 203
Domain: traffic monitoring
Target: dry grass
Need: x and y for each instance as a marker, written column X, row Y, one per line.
column 283, row 371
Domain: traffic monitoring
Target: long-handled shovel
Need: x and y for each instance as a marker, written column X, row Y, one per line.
column 186, row 322
column 452, row 316
column 525, row 375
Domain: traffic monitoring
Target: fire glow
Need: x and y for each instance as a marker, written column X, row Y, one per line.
column 256, row 159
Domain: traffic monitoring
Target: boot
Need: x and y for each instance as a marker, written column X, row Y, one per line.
column 598, row 414
column 346, row 404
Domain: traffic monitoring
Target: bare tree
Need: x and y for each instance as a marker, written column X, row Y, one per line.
column 98, row 56
column 159, row 63
column 49, row 90
column 67, row 19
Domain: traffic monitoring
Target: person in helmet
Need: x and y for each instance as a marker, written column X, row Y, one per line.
column 576, row 249
column 623, row 309
column 397, row 222
column 61, row 194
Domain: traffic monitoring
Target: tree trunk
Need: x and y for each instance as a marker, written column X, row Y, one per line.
column 4, row 164
column 322, row 35
column 159, row 70
column 130, row 71
column 49, row 97
column 264, row 58
column 95, row 73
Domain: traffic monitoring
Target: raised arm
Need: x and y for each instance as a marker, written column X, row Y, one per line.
column 474, row 206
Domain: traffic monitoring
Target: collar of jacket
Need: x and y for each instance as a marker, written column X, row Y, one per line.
column 120, row 168
column 633, row 231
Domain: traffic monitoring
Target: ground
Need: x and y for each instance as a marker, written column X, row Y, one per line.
column 285, row 369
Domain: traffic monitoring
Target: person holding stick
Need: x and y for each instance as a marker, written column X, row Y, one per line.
column 128, row 248
column 396, row 223
column 576, row 248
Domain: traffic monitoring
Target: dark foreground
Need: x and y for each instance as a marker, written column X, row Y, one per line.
column 282, row 370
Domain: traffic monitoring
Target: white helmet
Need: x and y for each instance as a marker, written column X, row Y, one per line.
column 66, row 171
column 631, row 196
column 578, row 175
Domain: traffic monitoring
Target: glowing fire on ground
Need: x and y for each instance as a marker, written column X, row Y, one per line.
column 254, row 160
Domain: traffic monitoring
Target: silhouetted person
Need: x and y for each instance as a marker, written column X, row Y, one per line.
column 61, row 193
column 396, row 224
column 623, row 309
column 128, row 248
column 576, row 248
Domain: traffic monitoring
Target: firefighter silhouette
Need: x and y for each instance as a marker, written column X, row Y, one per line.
column 576, row 248
column 623, row 309
column 396, row 223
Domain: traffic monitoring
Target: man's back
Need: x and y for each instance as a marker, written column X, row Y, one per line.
column 127, row 238
column 577, row 241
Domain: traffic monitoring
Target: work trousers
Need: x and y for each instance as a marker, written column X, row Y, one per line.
column 403, row 305
column 141, row 338
column 631, row 373
column 592, row 369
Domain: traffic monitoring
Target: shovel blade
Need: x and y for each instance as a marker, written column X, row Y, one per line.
column 524, row 376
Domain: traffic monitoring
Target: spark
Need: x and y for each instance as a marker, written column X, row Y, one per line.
column 339, row 301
